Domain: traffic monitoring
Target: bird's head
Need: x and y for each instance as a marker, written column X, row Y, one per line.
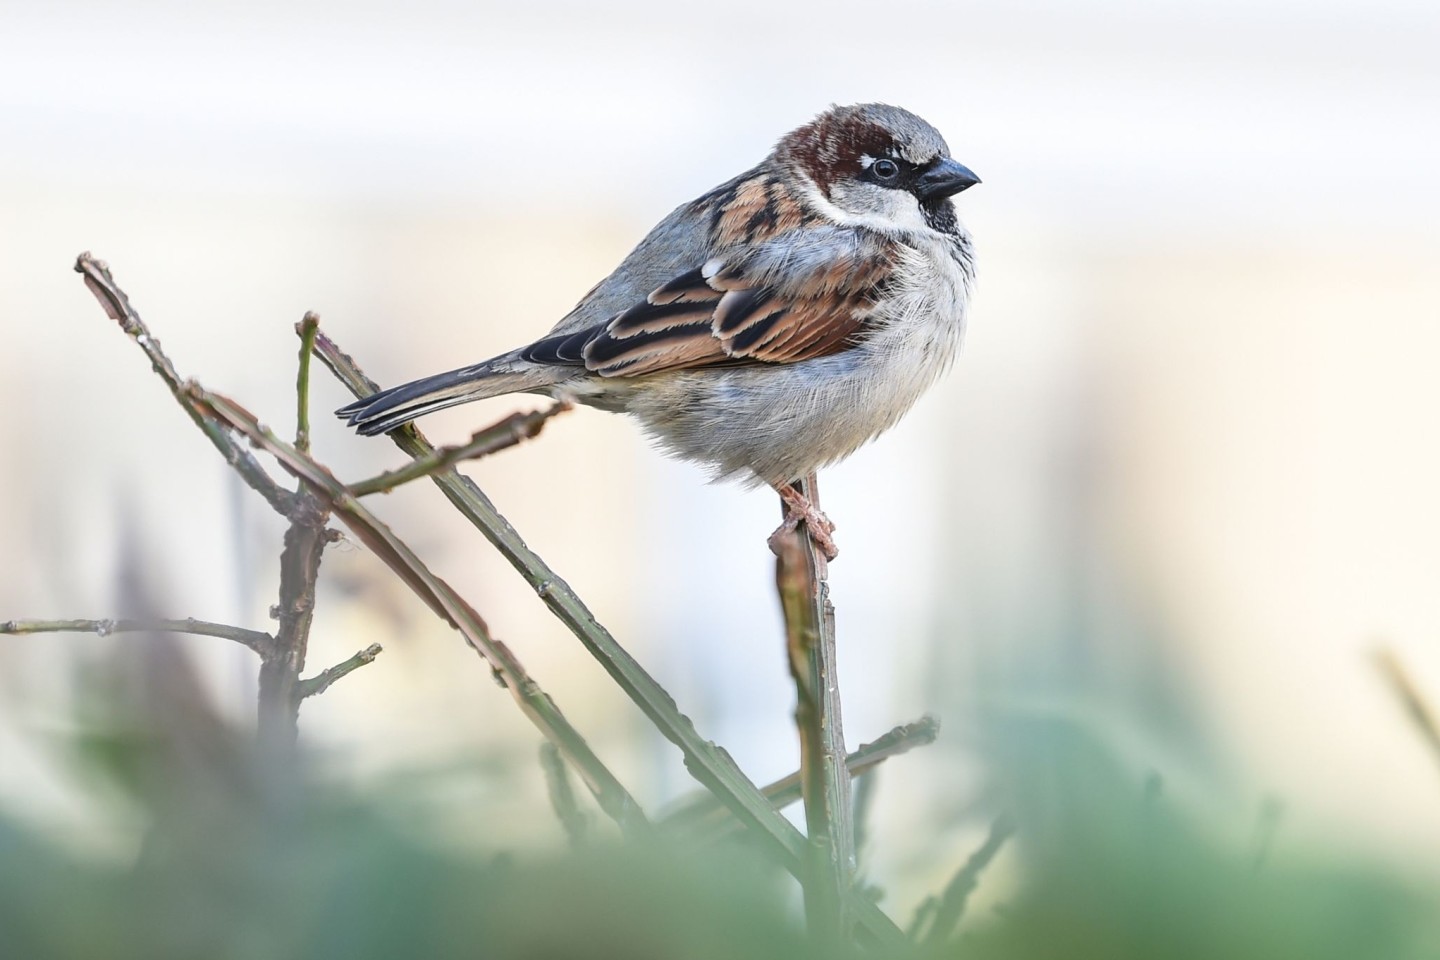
column 873, row 160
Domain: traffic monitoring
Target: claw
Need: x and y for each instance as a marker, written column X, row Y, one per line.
column 797, row 509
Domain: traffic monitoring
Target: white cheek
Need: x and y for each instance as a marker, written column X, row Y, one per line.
column 903, row 209
column 874, row 206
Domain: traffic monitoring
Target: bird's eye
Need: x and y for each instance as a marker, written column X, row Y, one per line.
column 885, row 169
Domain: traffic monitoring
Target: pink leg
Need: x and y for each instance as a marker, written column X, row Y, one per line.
column 798, row 509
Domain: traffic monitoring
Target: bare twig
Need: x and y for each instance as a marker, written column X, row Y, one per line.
column 513, row 430
column 318, row 684
column 305, row 541
column 283, row 655
column 800, row 573
column 613, row 798
column 1417, row 708
column 705, row 810
column 117, row 306
column 951, row 906
column 256, row 640
column 708, row 763
column 562, row 797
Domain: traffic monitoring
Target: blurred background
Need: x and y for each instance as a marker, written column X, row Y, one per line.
column 1177, row 491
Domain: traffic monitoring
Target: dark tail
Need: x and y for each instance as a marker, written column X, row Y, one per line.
column 384, row 411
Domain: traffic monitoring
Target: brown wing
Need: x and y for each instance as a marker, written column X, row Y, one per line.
column 728, row 313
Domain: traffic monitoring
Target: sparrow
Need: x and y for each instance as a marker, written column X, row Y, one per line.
column 771, row 326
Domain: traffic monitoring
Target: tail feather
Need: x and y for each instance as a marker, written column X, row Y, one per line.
column 384, row 411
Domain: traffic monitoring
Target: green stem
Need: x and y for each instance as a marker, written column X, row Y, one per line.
column 306, row 328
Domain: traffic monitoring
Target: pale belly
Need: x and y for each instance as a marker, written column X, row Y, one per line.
column 779, row 423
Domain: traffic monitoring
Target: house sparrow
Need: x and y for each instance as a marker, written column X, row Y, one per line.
column 773, row 325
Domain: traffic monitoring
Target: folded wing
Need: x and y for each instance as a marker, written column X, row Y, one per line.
column 803, row 295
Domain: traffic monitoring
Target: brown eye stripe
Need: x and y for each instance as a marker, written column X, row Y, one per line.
column 831, row 146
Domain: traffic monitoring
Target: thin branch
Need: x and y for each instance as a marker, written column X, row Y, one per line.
column 708, row 763
column 256, row 640
column 1417, row 708
column 951, row 906
column 283, row 655
column 514, row 429
column 862, row 800
column 800, row 577
column 117, row 307
column 706, row 811
column 562, row 797
column 318, row 684
column 279, row 700
column 534, row 702
column 306, row 328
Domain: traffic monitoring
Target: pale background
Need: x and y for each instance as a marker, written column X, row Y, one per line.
column 1180, row 485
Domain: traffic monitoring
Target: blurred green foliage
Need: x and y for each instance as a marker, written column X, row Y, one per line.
column 240, row 863
column 340, row 883
column 1112, row 869
column 243, row 859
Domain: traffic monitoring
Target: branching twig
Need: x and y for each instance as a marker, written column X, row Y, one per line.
column 283, row 655
column 117, row 306
column 513, row 430
column 951, row 905
column 305, row 541
column 562, row 797
column 534, row 702
column 704, row 810
column 800, row 573
column 256, row 640
column 709, row 764
column 318, row 684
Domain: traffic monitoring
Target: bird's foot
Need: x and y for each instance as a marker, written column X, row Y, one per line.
column 798, row 508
